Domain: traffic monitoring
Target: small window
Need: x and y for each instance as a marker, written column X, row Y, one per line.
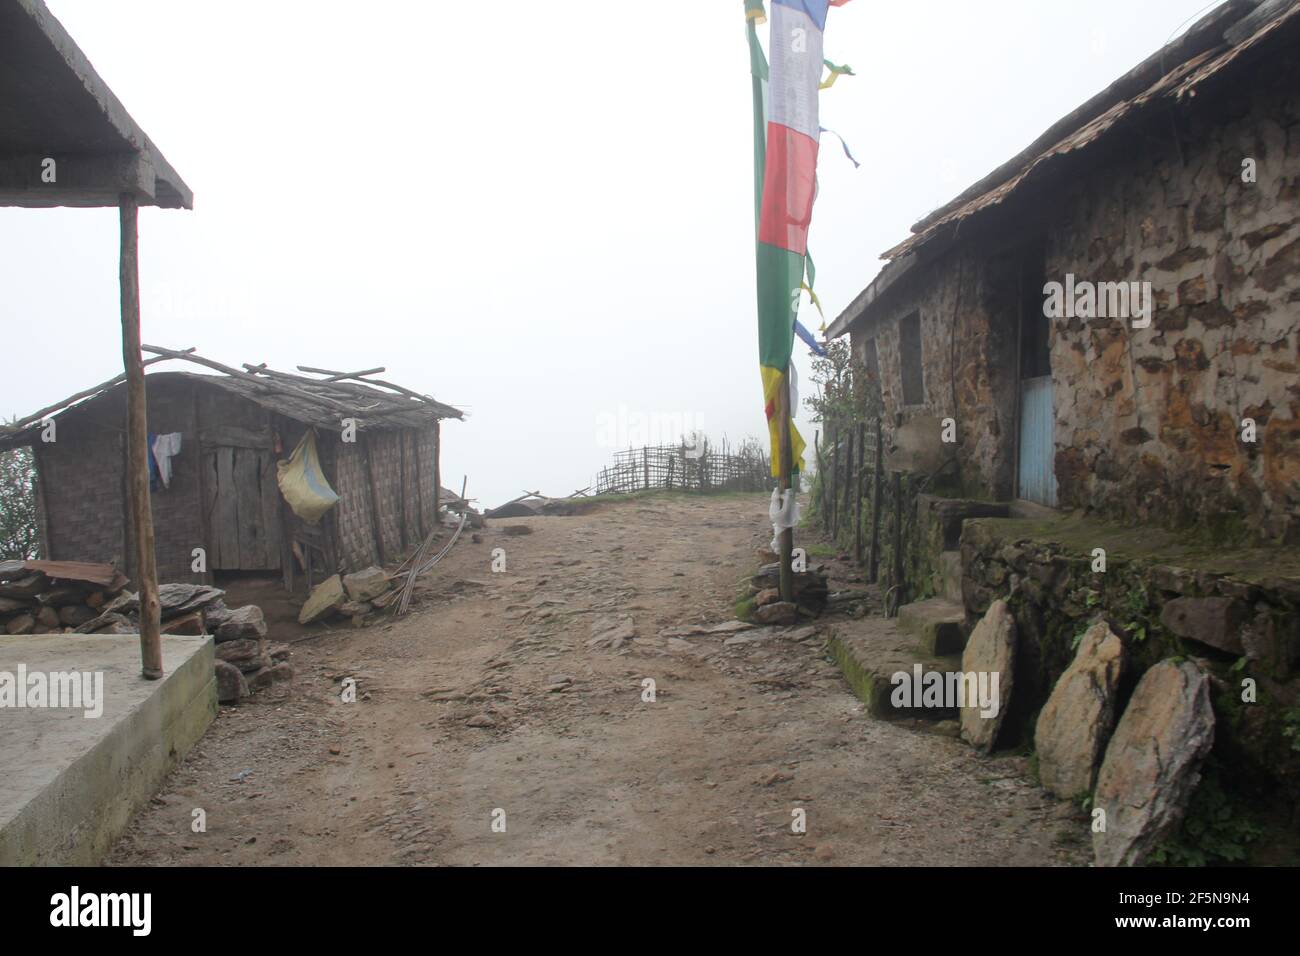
column 909, row 358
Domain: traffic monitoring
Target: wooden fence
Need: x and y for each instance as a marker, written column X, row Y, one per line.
column 685, row 468
column 851, row 469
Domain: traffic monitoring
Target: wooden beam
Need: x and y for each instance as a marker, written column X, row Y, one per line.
column 137, row 443
column 87, row 393
column 80, row 180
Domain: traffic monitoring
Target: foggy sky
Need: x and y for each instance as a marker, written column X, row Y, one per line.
column 539, row 213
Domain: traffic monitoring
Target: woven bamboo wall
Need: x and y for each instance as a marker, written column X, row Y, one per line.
column 412, row 532
column 384, row 452
column 426, row 447
column 354, row 512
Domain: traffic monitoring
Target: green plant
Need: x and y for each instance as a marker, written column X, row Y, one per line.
column 1291, row 727
column 1214, row 831
column 19, row 535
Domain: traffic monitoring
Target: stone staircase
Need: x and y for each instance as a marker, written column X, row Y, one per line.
column 930, row 633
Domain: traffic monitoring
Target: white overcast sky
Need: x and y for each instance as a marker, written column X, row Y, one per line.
column 541, row 213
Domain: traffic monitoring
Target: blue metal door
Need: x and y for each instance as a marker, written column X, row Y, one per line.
column 1037, row 478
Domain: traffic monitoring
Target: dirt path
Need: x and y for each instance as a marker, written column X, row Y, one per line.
column 739, row 737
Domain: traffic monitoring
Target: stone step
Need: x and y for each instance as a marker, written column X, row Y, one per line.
column 871, row 651
column 949, row 575
column 938, row 624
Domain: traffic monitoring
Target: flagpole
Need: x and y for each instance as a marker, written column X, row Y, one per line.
column 783, row 478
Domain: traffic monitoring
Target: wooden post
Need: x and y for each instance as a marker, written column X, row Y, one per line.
column 835, row 482
column 137, row 443
column 848, row 477
column 873, row 573
column 785, row 468
column 897, row 487
column 857, row 495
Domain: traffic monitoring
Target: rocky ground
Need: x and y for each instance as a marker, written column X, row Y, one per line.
column 508, row 719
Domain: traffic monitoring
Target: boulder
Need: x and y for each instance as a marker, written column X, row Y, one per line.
column 177, row 599
column 323, row 600
column 365, row 585
column 990, row 650
column 1153, row 762
column 215, row 614
column 49, row 617
column 21, row 624
column 240, row 651
column 24, row 588
column 779, row 612
column 64, row 595
column 279, row 652
column 262, row 677
column 190, row 625
column 1213, row 621
column 10, row 605
column 241, row 623
column 355, row 608
column 1078, row 717
column 75, row 615
column 231, row 685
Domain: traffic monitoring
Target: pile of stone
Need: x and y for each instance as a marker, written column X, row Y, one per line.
column 52, row 597
column 810, row 595
column 245, row 660
column 354, row 597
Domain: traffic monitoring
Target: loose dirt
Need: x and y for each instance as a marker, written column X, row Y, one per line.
column 486, row 705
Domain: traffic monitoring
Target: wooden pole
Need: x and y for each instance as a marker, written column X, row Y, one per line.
column 785, row 468
column 857, row 495
column 873, row 572
column 137, row 443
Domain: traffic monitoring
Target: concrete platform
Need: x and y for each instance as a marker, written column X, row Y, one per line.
column 70, row 783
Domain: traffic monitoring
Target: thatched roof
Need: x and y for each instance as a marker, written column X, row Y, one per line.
column 322, row 401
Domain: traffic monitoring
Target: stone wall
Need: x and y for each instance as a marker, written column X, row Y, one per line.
column 968, row 350
column 1235, row 616
column 1149, row 421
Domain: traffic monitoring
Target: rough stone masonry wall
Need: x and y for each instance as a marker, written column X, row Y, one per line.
column 1048, row 578
column 967, row 304
column 1149, row 421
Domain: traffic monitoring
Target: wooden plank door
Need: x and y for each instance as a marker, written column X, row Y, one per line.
column 243, row 509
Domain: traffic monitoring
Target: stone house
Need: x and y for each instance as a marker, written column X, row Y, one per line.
column 1163, row 387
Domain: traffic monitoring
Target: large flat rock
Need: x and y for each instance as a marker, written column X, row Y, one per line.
column 991, row 650
column 1078, row 717
column 1153, row 762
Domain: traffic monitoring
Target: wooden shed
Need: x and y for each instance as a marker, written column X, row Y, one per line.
column 377, row 443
